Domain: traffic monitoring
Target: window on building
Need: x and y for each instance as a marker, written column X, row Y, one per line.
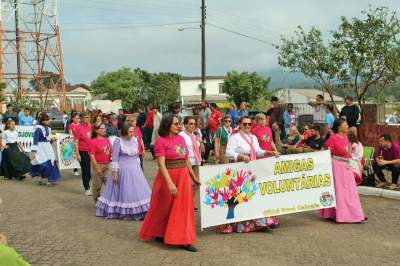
column 220, row 88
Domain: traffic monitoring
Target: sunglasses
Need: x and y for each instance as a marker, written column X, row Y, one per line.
column 175, row 124
column 228, row 121
column 247, row 124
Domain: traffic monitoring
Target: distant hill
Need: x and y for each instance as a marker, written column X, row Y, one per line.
column 293, row 79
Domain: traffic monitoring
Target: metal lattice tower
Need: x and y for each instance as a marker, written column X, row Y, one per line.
column 30, row 49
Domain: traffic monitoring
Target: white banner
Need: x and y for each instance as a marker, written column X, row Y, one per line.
column 65, row 150
column 267, row 187
column 25, row 136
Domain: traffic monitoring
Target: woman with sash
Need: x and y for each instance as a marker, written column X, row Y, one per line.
column 222, row 135
column 348, row 206
column 170, row 218
column 244, row 147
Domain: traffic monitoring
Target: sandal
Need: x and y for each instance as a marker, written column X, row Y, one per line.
column 381, row 185
column 393, row 187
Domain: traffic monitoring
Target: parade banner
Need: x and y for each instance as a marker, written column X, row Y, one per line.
column 266, row 187
column 25, row 136
column 65, row 151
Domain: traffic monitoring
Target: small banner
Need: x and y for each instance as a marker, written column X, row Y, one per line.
column 65, row 150
column 25, row 136
column 266, row 187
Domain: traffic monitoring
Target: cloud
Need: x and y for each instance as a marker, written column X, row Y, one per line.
column 87, row 53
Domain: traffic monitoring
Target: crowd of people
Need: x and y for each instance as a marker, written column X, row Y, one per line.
column 110, row 150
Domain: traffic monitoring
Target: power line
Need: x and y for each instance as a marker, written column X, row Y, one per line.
column 240, row 34
column 133, row 26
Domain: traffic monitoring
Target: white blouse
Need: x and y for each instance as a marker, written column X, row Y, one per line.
column 189, row 144
column 9, row 136
column 237, row 145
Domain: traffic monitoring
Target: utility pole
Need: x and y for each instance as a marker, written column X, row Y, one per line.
column 18, row 48
column 203, row 50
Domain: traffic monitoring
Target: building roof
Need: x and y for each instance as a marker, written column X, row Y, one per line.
column 196, row 78
column 70, row 87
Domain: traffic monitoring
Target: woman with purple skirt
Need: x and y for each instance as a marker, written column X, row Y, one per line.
column 127, row 192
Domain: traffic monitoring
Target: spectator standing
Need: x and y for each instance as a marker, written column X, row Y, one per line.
column 329, row 118
column 290, row 118
column 275, row 115
column 10, row 114
column 82, row 137
column 121, row 118
column 148, row 128
column 205, row 114
column 233, row 114
column 222, row 135
column 26, row 119
column 132, row 121
column 215, row 119
column 387, row 157
column 156, row 126
column 111, row 129
column 141, row 120
column 318, row 110
column 350, row 112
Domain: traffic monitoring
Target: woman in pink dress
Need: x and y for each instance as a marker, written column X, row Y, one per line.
column 170, row 218
column 348, row 206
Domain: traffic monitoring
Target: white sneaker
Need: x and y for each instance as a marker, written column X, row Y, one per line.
column 76, row 173
column 88, row 193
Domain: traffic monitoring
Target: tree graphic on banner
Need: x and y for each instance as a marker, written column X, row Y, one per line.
column 229, row 189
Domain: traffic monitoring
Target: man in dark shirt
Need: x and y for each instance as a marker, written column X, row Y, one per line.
column 141, row 118
column 275, row 115
column 387, row 156
column 315, row 142
column 111, row 129
column 121, row 118
column 10, row 114
column 350, row 112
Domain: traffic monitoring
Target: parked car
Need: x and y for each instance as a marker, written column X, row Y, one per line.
column 392, row 120
column 56, row 120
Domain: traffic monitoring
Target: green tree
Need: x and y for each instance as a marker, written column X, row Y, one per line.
column 137, row 87
column 246, row 87
column 308, row 53
column 369, row 50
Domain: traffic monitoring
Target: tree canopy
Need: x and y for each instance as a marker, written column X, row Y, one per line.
column 361, row 55
column 137, row 87
column 245, row 87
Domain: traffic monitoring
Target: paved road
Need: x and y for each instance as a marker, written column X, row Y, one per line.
column 57, row 226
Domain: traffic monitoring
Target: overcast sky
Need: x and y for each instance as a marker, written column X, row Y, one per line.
column 104, row 35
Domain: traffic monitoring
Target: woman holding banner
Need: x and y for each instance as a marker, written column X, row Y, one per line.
column 348, row 206
column 127, row 193
column 14, row 164
column 244, row 147
column 171, row 215
column 43, row 159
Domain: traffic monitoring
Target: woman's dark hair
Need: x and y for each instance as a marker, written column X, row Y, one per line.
column 125, row 129
column 244, row 117
column 187, row 119
column 73, row 114
column 9, row 121
column 95, row 118
column 330, row 107
column 353, row 137
column 94, row 128
column 165, row 124
column 213, row 105
column 43, row 117
column 337, row 124
column 38, row 114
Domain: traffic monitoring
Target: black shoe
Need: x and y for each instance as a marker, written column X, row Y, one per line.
column 195, row 209
column 274, row 226
column 189, row 248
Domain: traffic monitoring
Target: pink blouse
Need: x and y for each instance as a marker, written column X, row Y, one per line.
column 339, row 146
column 172, row 148
column 264, row 137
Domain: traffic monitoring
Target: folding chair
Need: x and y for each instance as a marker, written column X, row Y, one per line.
column 368, row 170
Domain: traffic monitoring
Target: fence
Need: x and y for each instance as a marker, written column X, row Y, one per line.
column 388, row 113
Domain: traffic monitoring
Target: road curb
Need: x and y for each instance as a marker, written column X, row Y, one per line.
column 379, row 192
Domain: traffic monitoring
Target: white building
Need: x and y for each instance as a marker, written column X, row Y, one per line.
column 190, row 92
column 297, row 95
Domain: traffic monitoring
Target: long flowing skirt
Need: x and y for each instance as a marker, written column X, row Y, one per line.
column 169, row 217
column 14, row 163
column 348, row 205
column 47, row 170
column 129, row 198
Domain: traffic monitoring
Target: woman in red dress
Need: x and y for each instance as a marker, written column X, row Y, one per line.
column 170, row 218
